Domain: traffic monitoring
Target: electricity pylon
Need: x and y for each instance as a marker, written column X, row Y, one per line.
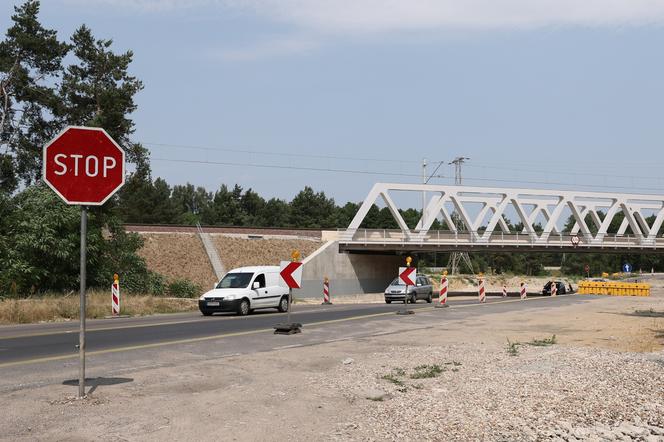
column 456, row 257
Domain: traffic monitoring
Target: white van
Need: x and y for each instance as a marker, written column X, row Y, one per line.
column 245, row 289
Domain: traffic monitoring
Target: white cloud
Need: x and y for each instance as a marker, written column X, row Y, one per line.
column 274, row 47
column 413, row 15
column 366, row 16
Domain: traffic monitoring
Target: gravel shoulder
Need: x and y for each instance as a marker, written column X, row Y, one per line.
column 603, row 379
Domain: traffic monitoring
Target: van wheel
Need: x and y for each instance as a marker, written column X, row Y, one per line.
column 206, row 312
column 283, row 304
column 243, row 308
column 388, row 301
column 430, row 298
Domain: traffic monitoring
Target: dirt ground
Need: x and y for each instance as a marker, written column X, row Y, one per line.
column 178, row 256
column 311, row 393
column 239, row 252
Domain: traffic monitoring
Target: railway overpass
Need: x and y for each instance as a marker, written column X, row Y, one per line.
column 364, row 260
column 480, row 224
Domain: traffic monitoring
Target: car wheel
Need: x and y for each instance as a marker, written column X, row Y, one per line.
column 388, row 301
column 243, row 308
column 430, row 298
column 413, row 298
column 283, row 304
column 206, row 312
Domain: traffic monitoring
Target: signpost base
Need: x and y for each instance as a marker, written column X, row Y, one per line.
column 288, row 328
column 441, row 306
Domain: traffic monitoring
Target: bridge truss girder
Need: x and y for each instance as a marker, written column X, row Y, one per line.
column 555, row 206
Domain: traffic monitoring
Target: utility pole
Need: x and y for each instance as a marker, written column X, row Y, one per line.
column 456, row 257
column 424, row 181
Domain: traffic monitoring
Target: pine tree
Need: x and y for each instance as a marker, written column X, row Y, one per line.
column 98, row 91
column 30, row 61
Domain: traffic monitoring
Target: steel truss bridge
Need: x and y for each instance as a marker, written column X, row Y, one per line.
column 478, row 222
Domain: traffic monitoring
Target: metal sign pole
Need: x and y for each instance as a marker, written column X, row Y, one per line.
column 81, row 336
column 290, row 302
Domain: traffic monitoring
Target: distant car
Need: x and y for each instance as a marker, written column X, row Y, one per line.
column 561, row 287
column 244, row 290
column 396, row 291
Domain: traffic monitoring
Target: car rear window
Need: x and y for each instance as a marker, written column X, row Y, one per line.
column 235, row 281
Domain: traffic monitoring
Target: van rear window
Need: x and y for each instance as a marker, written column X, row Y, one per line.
column 235, row 281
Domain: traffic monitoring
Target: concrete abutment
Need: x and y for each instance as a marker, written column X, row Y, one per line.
column 349, row 273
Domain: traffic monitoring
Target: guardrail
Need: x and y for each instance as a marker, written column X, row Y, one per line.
column 466, row 238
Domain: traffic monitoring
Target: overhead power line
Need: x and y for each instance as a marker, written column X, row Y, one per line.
column 410, row 175
column 279, row 154
column 277, row 166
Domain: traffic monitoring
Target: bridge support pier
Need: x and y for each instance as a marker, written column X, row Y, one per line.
column 349, row 273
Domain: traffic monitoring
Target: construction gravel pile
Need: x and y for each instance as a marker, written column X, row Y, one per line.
column 518, row 392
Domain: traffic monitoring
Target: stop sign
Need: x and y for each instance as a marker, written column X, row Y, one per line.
column 84, row 165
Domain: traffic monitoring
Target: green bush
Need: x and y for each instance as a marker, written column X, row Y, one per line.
column 183, row 288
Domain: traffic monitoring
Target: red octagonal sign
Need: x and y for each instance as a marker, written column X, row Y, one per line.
column 84, row 165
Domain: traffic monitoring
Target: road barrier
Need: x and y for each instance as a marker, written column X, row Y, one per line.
column 504, row 291
column 524, row 290
column 554, row 288
column 115, row 296
column 481, row 291
column 326, row 291
column 613, row 288
column 442, row 297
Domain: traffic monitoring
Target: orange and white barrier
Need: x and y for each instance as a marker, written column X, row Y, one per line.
column 481, row 291
column 115, row 296
column 554, row 288
column 326, row 291
column 444, row 283
column 524, row 291
column 504, row 291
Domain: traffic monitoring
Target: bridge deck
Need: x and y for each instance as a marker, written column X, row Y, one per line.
column 443, row 240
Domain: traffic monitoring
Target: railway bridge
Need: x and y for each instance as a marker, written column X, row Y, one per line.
column 476, row 220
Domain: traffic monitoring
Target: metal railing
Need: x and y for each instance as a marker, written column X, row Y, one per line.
column 465, row 238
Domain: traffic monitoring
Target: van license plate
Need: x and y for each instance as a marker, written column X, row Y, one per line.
column 213, row 304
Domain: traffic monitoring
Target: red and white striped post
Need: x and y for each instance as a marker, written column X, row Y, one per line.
column 326, row 291
column 504, row 291
column 115, row 296
column 554, row 288
column 444, row 284
column 481, row 291
column 524, row 290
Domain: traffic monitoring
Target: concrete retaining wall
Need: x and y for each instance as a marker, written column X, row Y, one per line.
column 349, row 274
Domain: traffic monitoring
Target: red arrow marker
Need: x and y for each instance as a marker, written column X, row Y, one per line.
column 291, row 276
column 407, row 274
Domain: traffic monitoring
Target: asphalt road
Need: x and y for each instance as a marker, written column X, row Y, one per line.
column 46, row 342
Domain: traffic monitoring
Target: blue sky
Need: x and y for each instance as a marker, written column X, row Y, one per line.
column 538, row 93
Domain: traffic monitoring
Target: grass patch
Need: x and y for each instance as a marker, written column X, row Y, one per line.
column 455, row 363
column 66, row 307
column 394, row 376
column 650, row 313
column 512, row 348
column 426, row 371
column 543, row 342
column 393, row 379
